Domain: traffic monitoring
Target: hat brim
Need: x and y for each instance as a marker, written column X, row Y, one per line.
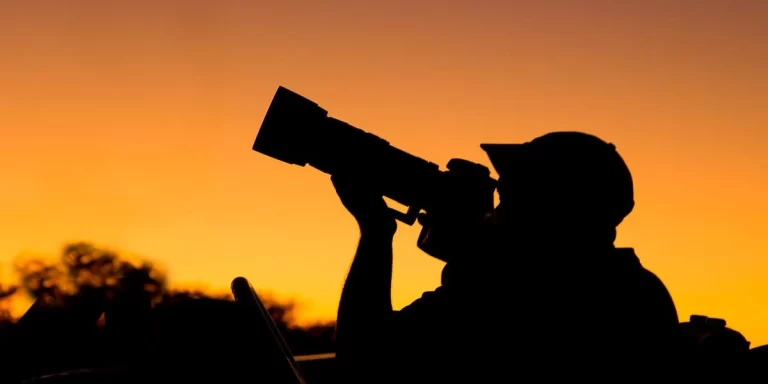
column 504, row 157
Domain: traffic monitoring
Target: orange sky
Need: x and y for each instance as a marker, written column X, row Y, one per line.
column 129, row 124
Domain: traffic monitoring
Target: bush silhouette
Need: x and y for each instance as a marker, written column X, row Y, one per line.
column 85, row 270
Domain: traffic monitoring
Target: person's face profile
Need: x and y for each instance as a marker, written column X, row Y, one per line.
column 498, row 226
column 517, row 197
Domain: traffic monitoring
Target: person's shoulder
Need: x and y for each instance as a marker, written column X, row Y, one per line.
column 655, row 292
column 655, row 285
column 629, row 258
column 429, row 301
column 427, row 315
column 646, row 277
column 651, row 279
column 438, row 296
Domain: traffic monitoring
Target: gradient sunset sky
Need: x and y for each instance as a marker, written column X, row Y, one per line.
column 130, row 124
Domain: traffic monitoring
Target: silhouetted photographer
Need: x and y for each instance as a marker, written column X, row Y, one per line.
column 544, row 268
column 541, row 265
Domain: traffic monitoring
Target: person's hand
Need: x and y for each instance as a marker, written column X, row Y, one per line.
column 368, row 207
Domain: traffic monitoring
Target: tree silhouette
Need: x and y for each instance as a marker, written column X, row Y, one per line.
column 87, row 270
column 57, row 338
column 6, row 292
column 43, row 281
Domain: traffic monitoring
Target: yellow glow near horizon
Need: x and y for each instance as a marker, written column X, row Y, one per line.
column 129, row 124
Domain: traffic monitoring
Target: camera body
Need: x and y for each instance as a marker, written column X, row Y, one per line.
column 297, row 131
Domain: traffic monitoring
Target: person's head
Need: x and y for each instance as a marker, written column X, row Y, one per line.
column 562, row 184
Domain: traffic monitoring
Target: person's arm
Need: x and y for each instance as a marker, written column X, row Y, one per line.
column 365, row 309
column 373, row 340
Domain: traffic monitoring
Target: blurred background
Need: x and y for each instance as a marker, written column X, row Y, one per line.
column 129, row 124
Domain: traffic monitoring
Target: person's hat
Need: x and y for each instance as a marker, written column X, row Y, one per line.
column 587, row 170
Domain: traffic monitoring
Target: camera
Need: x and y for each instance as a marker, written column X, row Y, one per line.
column 296, row 130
